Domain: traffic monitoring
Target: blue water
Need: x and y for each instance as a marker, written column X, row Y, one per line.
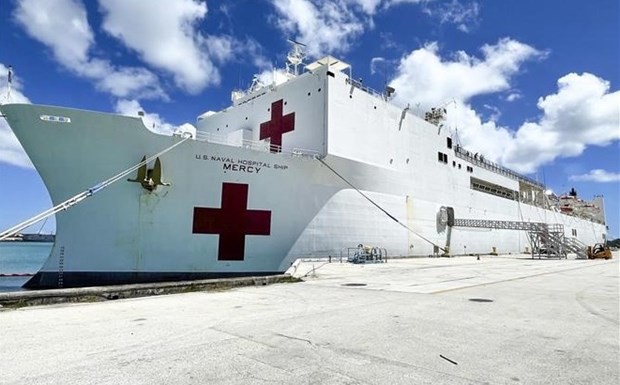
column 21, row 258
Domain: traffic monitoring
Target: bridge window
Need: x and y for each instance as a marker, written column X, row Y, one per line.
column 442, row 157
column 449, row 140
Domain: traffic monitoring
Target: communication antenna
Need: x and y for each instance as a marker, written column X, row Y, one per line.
column 10, row 82
column 295, row 57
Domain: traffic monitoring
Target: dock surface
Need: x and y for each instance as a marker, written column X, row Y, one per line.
column 497, row 320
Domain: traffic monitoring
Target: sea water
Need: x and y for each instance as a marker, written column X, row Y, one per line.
column 18, row 258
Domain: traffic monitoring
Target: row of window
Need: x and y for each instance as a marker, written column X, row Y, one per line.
column 443, row 158
column 493, row 189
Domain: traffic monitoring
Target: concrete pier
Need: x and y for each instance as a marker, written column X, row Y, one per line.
column 497, row 320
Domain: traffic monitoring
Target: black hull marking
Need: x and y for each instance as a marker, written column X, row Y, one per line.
column 49, row 280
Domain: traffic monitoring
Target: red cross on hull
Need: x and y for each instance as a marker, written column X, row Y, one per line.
column 233, row 221
column 278, row 125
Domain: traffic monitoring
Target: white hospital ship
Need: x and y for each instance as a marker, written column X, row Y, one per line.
column 305, row 167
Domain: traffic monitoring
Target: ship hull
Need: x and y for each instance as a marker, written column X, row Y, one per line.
column 235, row 211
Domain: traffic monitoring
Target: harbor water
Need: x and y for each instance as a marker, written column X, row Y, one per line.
column 19, row 260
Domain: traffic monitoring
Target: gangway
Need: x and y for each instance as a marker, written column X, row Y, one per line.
column 546, row 239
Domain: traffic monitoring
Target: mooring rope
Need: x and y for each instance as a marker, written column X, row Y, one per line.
column 379, row 207
column 84, row 194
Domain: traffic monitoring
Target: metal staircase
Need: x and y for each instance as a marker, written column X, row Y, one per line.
column 546, row 239
column 574, row 245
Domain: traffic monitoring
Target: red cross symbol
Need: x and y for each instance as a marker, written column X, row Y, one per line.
column 232, row 222
column 278, row 125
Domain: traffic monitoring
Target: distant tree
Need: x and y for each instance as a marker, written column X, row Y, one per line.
column 573, row 192
column 614, row 243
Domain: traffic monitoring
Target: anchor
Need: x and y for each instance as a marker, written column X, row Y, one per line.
column 149, row 178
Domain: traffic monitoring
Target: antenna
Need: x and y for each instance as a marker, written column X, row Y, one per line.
column 295, row 57
column 10, row 82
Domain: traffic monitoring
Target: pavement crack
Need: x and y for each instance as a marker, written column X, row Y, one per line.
column 295, row 338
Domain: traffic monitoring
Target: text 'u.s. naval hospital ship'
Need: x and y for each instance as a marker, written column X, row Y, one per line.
column 304, row 167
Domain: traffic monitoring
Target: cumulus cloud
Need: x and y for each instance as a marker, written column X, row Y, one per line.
column 11, row 151
column 425, row 77
column 168, row 38
column 152, row 121
column 62, row 26
column 597, row 175
column 583, row 112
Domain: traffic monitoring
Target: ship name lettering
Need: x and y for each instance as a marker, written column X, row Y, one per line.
column 242, row 168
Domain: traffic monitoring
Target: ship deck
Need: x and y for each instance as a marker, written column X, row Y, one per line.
column 497, row 320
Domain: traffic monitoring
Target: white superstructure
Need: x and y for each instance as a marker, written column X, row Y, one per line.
column 287, row 171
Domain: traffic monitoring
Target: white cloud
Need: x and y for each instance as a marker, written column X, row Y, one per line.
column 329, row 26
column 466, row 16
column 511, row 97
column 63, row 27
column 424, row 77
column 376, row 64
column 168, row 37
column 323, row 25
column 597, row 175
column 270, row 76
column 583, row 112
column 11, row 151
column 152, row 121
column 59, row 24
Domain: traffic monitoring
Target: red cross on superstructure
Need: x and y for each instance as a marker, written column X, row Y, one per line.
column 233, row 221
column 278, row 125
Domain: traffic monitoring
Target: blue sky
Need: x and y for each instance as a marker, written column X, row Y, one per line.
column 534, row 85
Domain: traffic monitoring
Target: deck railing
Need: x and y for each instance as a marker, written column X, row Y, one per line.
column 481, row 161
column 256, row 145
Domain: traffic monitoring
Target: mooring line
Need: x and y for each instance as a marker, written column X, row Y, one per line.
column 84, row 194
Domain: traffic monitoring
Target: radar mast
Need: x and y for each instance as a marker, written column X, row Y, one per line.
column 295, row 57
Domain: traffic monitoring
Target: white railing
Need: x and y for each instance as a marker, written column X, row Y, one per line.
column 256, row 145
column 358, row 84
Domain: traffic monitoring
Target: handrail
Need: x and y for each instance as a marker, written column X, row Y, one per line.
column 479, row 160
column 358, row 84
column 257, row 145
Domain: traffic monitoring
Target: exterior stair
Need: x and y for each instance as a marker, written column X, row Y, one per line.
column 547, row 239
column 576, row 246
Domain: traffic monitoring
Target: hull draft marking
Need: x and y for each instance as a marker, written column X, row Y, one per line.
column 277, row 126
column 233, row 221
